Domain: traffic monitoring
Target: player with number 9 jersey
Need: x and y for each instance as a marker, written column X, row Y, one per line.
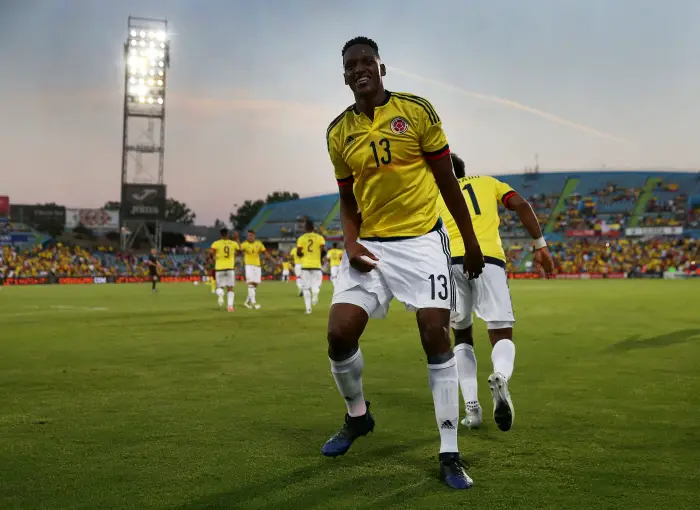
column 224, row 250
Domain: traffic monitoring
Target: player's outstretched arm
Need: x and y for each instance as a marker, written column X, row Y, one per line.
column 543, row 259
column 454, row 200
column 360, row 257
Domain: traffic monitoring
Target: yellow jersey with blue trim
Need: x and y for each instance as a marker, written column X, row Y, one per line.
column 385, row 160
column 295, row 255
column 225, row 253
column 251, row 252
column 312, row 248
column 482, row 194
column 335, row 256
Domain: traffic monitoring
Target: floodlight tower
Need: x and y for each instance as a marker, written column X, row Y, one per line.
column 146, row 59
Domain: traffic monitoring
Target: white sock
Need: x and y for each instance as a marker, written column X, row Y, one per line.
column 466, row 368
column 307, row 299
column 230, row 298
column 503, row 357
column 251, row 294
column 314, row 294
column 348, row 378
column 220, row 292
column 444, row 383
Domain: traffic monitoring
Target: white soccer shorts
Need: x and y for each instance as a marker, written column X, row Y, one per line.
column 415, row 271
column 253, row 274
column 297, row 270
column 488, row 296
column 285, row 273
column 225, row 278
column 311, row 279
column 334, row 272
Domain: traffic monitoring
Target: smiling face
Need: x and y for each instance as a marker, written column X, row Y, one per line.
column 363, row 70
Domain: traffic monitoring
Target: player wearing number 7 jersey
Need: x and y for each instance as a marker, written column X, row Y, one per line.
column 391, row 158
column 488, row 296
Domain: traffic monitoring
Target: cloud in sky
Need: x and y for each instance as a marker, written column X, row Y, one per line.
column 509, row 103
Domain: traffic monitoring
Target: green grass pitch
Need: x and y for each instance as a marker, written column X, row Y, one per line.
column 113, row 397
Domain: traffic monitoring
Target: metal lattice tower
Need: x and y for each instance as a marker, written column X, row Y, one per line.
column 146, row 64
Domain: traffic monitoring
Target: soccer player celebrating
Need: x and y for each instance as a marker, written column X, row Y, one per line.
column 297, row 269
column 488, row 296
column 153, row 267
column 252, row 249
column 335, row 255
column 391, row 158
column 224, row 251
column 311, row 247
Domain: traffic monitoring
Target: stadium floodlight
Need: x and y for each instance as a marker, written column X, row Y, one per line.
column 147, row 56
column 146, row 64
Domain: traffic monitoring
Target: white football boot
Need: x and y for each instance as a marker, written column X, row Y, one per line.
column 503, row 411
column 473, row 418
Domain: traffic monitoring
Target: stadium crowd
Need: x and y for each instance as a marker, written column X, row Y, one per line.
column 572, row 256
column 74, row 261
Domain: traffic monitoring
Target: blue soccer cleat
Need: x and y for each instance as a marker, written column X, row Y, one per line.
column 353, row 428
column 453, row 473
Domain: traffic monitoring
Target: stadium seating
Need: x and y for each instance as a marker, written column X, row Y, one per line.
column 580, row 213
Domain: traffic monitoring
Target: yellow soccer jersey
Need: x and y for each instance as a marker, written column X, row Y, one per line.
column 482, row 194
column 251, row 252
column 335, row 256
column 297, row 258
column 286, row 266
column 312, row 245
column 385, row 161
column 225, row 254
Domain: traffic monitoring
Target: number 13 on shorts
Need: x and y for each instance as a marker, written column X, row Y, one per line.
column 439, row 287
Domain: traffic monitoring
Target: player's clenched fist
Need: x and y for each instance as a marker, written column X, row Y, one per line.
column 361, row 258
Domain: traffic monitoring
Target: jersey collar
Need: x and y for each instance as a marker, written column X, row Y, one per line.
column 386, row 100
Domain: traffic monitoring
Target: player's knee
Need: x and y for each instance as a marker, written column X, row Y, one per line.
column 342, row 344
column 436, row 339
column 500, row 333
column 464, row 336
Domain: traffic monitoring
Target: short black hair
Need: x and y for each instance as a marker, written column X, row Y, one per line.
column 308, row 224
column 223, row 231
column 335, row 245
column 251, row 231
column 361, row 40
column 458, row 165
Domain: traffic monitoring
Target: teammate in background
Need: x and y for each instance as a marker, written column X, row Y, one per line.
column 391, row 158
column 297, row 269
column 252, row 249
column 224, row 251
column 211, row 270
column 286, row 267
column 153, row 267
column 489, row 296
column 335, row 255
column 311, row 247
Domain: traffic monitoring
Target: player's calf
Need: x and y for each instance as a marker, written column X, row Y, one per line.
column 345, row 325
column 503, row 358
column 466, row 368
column 433, row 325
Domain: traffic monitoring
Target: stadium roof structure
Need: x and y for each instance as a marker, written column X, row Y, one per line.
column 282, row 221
